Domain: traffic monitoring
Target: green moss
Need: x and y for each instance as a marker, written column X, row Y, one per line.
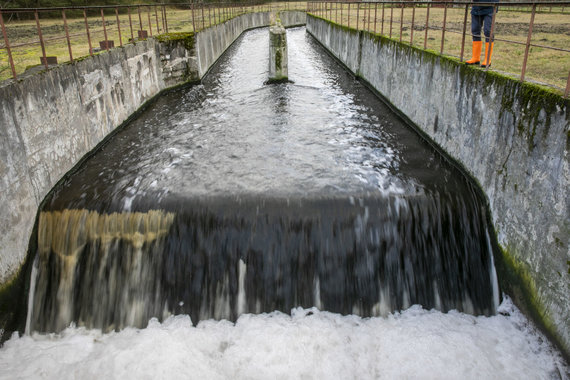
column 187, row 39
column 516, row 280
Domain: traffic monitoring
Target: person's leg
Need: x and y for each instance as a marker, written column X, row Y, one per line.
column 487, row 21
column 476, row 24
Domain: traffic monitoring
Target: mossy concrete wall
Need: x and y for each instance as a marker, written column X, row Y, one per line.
column 512, row 138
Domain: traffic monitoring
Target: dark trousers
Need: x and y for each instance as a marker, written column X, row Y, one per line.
column 479, row 22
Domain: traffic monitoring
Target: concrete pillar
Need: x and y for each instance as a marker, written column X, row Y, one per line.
column 277, row 53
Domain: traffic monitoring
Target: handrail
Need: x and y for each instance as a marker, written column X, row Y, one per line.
column 371, row 16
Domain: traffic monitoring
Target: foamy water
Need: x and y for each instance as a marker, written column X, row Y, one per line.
column 308, row 344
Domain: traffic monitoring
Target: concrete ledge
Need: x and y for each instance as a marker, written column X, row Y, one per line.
column 513, row 138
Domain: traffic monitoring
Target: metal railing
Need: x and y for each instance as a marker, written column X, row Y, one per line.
column 66, row 33
column 433, row 19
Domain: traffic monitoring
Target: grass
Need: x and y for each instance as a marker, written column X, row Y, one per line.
column 26, row 49
column 544, row 65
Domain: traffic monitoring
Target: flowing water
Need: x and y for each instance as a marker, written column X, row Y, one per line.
column 233, row 199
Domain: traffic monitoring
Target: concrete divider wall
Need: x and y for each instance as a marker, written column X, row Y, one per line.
column 50, row 120
column 512, row 138
column 213, row 42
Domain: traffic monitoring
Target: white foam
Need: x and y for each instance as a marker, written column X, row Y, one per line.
column 306, row 344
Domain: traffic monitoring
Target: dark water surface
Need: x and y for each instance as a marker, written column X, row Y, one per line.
column 235, row 196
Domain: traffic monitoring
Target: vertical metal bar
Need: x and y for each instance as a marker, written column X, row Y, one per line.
column 492, row 38
column 41, row 38
column 443, row 29
column 368, row 10
column 130, row 23
column 203, row 18
column 149, row 22
column 464, row 33
column 157, row 23
column 193, row 19
column 357, row 14
column 413, row 20
column 209, row 15
column 336, row 11
column 382, row 31
column 348, row 15
column 67, row 35
column 119, row 26
column 401, row 21
column 104, row 30
column 165, row 19
column 391, row 17
column 140, row 18
column 87, row 30
column 427, row 27
column 162, row 14
column 375, row 14
column 342, row 13
column 7, row 43
column 527, row 48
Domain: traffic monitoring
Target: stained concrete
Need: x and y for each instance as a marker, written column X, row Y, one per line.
column 514, row 145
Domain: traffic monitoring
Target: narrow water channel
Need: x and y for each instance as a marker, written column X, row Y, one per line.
column 229, row 200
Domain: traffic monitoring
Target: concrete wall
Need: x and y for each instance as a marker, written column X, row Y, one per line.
column 50, row 120
column 512, row 138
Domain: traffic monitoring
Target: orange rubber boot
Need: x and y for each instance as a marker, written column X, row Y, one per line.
column 476, row 57
column 488, row 53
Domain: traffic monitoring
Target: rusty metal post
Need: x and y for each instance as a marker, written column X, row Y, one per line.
column 375, row 14
column 492, row 37
column 209, row 15
column 130, row 23
column 413, row 20
column 87, row 30
column 528, row 38
column 156, row 17
column 357, row 14
column 104, row 30
column 368, row 11
column 149, row 22
column 67, row 35
column 391, row 17
column 203, row 18
column 193, row 18
column 165, row 18
column 382, row 30
column 140, row 18
column 342, row 13
column 336, row 11
column 464, row 33
column 41, row 38
column 7, row 43
column 401, row 21
column 348, row 15
column 119, row 26
column 427, row 27
column 443, row 29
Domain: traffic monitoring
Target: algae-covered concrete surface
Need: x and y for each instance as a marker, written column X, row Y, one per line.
column 512, row 138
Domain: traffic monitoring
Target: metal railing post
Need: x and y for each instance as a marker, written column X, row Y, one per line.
column 119, row 26
column 427, row 27
column 140, row 18
column 443, row 29
column 391, row 17
column 464, row 33
column 7, row 43
column 528, row 38
column 67, row 35
column 149, row 21
column 87, row 31
column 375, row 14
column 130, row 23
column 357, row 14
column 382, row 30
column 104, row 30
column 413, row 20
column 401, row 21
column 41, row 38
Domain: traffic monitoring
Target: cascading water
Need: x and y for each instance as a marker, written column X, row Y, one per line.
column 239, row 197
